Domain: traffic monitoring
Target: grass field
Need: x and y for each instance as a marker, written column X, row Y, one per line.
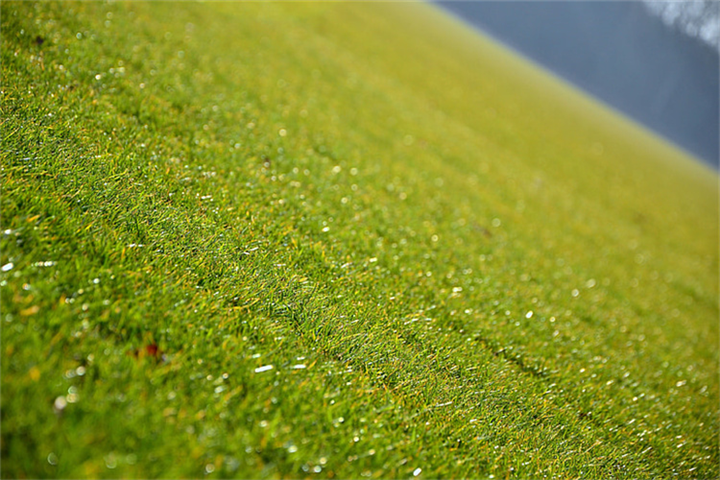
column 339, row 240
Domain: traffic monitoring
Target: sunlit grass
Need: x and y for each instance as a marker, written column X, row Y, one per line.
column 338, row 240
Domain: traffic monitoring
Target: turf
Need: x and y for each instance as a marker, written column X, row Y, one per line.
column 339, row 240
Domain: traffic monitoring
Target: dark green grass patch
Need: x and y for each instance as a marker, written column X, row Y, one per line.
column 338, row 240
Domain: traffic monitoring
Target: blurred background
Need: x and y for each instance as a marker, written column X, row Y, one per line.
column 655, row 61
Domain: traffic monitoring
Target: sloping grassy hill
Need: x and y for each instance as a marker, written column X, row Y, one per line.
column 339, row 240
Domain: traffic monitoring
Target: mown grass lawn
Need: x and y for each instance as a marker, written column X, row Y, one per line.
column 339, row 240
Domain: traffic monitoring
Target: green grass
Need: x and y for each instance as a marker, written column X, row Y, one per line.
column 365, row 241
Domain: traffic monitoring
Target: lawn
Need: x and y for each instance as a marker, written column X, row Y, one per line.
column 339, row 240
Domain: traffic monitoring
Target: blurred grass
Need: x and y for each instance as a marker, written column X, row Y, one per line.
column 455, row 265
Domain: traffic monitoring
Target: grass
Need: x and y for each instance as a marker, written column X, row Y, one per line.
column 339, row 240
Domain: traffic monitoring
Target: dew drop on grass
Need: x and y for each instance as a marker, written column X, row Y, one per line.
column 52, row 459
column 417, row 472
column 72, row 396
column 110, row 461
column 7, row 267
column 60, row 404
column 264, row 368
column 47, row 263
